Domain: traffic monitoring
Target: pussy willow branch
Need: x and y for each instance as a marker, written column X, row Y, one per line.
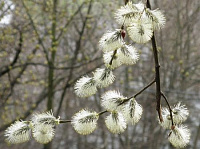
column 170, row 109
column 157, row 72
column 124, row 101
column 156, row 80
column 69, row 121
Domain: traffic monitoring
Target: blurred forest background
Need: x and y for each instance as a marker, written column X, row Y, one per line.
column 46, row 45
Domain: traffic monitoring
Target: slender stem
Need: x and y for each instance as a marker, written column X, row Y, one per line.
column 142, row 90
column 170, row 109
column 113, row 56
column 157, row 72
column 65, row 121
column 102, row 112
column 138, row 93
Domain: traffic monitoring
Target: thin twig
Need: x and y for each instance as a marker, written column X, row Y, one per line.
column 65, row 121
column 138, row 93
column 102, row 112
column 36, row 31
column 18, row 51
column 151, row 83
column 170, row 109
column 113, row 56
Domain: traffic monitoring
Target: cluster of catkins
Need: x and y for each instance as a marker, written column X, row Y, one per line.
column 41, row 126
column 179, row 135
column 140, row 23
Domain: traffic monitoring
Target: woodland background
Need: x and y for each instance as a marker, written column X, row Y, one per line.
column 46, row 45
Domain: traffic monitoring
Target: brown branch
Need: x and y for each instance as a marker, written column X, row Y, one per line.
column 105, row 111
column 170, row 109
column 138, row 93
column 151, row 83
column 134, row 96
column 102, row 112
column 65, row 121
column 157, row 72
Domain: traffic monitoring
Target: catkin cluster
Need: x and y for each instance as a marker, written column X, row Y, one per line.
column 140, row 22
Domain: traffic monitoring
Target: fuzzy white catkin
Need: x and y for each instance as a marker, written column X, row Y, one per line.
column 156, row 17
column 46, row 117
column 116, row 123
column 132, row 111
column 140, row 6
column 111, row 100
column 126, row 14
column 179, row 136
column 18, row 132
column 85, row 122
column 180, row 113
column 140, row 31
column 43, row 133
column 167, row 123
column 128, row 55
column 107, row 56
column 111, row 40
column 85, row 87
column 103, row 77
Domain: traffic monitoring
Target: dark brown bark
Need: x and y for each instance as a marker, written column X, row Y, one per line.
column 157, row 72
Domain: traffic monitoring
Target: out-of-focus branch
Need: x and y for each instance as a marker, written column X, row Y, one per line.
column 36, row 31
column 27, row 113
column 78, row 47
column 52, row 58
column 18, row 51
column 70, row 20
column 14, row 81
column 197, row 138
column 54, row 67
